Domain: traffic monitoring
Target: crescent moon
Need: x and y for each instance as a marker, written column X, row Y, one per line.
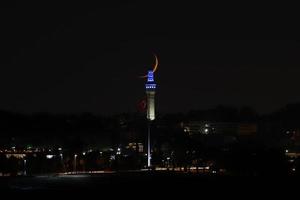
column 154, row 68
column 156, row 63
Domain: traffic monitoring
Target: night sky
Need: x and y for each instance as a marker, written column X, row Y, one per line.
column 65, row 59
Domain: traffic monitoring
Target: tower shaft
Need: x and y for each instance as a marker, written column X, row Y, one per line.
column 150, row 91
column 150, row 105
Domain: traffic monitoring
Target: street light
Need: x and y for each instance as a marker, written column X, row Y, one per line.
column 62, row 161
column 75, row 157
column 25, row 173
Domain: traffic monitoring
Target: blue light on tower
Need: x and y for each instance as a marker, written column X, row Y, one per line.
column 150, row 76
column 150, row 85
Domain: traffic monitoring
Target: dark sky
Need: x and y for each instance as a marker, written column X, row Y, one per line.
column 87, row 58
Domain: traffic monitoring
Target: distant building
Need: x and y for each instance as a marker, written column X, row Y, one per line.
column 219, row 133
column 136, row 147
column 219, row 128
column 247, row 129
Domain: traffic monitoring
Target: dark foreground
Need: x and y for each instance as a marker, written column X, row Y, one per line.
column 151, row 184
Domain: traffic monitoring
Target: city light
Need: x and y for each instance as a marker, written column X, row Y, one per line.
column 112, row 157
column 119, row 151
column 206, row 131
column 49, row 156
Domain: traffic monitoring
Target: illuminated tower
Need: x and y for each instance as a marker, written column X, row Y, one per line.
column 150, row 91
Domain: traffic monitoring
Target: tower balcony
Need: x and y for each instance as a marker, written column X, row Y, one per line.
column 150, row 86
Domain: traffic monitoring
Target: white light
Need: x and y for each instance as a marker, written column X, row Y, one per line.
column 83, row 153
column 294, row 169
column 168, row 158
column 59, row 149
column 286, row 151
column 61, row 155
column 49, row 156
column 75, row 155
column 214, row 172
column 119, row 149
column 206, row 130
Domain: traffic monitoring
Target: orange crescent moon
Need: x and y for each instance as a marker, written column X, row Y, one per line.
column 155, row 66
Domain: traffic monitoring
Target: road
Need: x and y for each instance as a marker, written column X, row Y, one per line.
column 151, row 184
